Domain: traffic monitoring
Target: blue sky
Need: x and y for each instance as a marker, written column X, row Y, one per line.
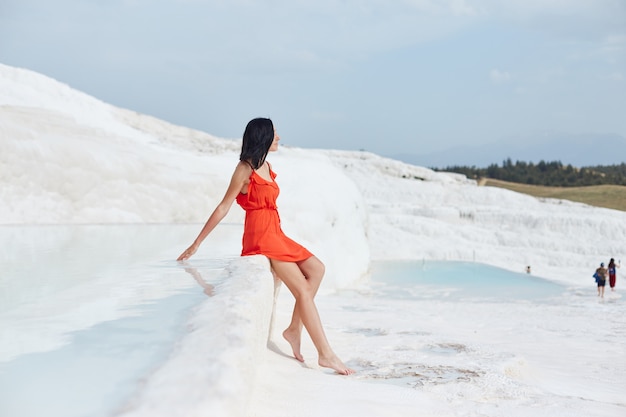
column 387, row 76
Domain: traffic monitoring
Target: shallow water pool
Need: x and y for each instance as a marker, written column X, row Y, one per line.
column 88, row 311
column 454, row 281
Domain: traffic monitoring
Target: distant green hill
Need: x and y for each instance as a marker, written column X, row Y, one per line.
column 600, row 186
column 607, row 195
column 551, row 174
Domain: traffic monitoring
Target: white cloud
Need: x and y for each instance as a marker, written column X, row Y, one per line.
column 616, row 76
column 328, row 31
column 499, row 77
column 321, row 115
column 613, row 48
column 524, row 9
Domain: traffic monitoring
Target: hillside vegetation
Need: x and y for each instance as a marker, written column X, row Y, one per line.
column 601, row 186
column 607, row 196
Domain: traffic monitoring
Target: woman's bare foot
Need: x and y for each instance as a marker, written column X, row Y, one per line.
column 335, row 363
column 294, row 340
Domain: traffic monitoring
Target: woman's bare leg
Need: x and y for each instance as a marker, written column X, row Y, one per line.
column 313, row 270
column 303, row 291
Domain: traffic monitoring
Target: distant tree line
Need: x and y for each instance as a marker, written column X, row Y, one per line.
column 553, row 174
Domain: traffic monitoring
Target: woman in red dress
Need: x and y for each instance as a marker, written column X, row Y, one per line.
column 253, row 187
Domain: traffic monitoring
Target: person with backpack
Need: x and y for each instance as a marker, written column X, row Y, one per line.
column 600, row 276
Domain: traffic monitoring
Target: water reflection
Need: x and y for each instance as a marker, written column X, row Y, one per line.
column 207, row 288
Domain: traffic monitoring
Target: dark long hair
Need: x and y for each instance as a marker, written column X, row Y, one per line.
column 612, row 263
column 257, row 139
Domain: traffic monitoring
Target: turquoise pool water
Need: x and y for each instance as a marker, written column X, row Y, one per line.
column 453, row 281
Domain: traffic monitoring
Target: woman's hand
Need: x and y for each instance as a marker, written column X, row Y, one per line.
column 187, row 253
column 238, row 182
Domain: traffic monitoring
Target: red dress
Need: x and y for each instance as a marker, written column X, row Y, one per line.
column 262, row 234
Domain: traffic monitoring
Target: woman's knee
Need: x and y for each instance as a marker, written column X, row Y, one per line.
column 301, row 289
column 313, row 268
column 321, row 269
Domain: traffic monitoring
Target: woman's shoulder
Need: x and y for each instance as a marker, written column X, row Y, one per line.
column 271, row 170
column 243, row 169
column 245, row 166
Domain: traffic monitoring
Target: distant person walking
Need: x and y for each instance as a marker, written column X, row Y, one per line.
column 612, row 273
column 600, row 277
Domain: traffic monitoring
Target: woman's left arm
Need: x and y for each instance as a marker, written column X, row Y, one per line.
column 239, row 179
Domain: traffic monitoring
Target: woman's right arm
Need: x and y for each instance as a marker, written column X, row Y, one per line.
column 240, row 178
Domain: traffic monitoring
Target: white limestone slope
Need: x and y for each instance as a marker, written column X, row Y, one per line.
column 66, row 157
